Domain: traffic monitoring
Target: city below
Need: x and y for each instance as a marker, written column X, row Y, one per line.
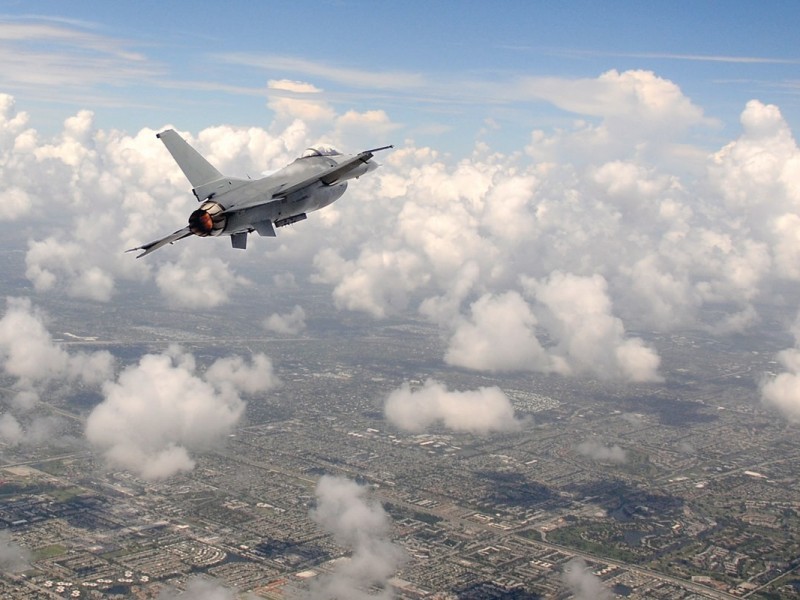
column 674, row 490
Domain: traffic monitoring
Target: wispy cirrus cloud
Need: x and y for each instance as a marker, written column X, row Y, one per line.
column 67, row 32
column 715, row 58
column 44, row 53
column 361, row 78
column 718, row 58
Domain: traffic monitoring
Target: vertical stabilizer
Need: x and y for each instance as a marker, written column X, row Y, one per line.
column 196, row 168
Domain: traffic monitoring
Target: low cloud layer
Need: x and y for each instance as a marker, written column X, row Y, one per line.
column 481, row 411
column 362, row 526
column 539, row 259
column 159, row 411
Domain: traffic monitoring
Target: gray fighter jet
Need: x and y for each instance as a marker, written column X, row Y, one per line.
column 235, row 207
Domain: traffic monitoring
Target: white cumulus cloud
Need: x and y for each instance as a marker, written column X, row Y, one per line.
column 10, row 429
column 582, row 583
column 161, row 409
column 359, row 524
column 498, row 336
column 589, row 337
column 13, row 557
column 598, row 451
column 28, row 352
column 479, row 411
column 782, row 391
column 200, row 588
column 290, row 323
column 39, row 364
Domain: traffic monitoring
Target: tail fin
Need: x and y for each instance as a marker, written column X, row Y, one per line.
column 197, row 169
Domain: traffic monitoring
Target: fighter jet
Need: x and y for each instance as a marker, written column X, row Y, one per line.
column 236, row 207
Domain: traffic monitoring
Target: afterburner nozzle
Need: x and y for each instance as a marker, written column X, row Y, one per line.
column 207, row 220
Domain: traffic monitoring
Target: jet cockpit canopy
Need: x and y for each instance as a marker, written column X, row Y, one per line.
column 320, row 151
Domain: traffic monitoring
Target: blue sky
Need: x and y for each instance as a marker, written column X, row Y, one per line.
column 441, row 69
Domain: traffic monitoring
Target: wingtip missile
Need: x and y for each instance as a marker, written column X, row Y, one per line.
column 381, row 148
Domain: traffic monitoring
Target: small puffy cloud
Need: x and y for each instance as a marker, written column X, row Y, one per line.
column 290, row 323
column 45, row 258
column 258, row 376
column 481, row 411
column 32, row 431
column 298, row 100
column 13, row 557
column 582, row 583
column 297, row 87
column 200, row 588
column 363, row 527
column 499, row 336
column 159, row 410
column 285, row 281
column 10, row 430
column 782, row 391
column 28, row 352
column 600, row 452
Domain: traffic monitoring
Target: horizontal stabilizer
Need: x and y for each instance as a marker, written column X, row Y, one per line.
column 153, row 246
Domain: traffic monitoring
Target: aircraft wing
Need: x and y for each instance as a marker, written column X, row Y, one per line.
column 330, row 176
column 153, row 246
